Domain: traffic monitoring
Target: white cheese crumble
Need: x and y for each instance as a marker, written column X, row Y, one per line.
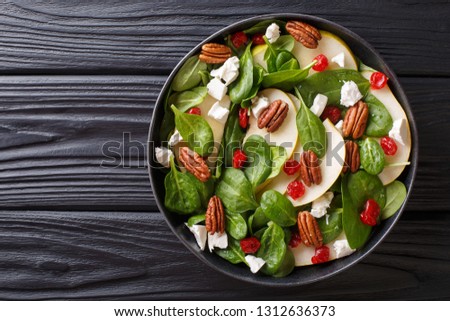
column 342, row 248
column 339, row 126
column 398, row 131
column 320, row 205
column 339, row 59
column 175, row 138
column 220, row 110
column 255, row 263
column 216, row 89
column 319, row 104
column 163, row 156
column 200, row 234
column 258, row 105
column 350, row 94
column 217, row 240
column 228, row 72
column 273, row 32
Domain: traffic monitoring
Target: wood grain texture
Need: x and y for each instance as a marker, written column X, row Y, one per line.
column 150, row 37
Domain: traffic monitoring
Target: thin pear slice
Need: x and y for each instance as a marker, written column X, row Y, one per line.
column 258, row 55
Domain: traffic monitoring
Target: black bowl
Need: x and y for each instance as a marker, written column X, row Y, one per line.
column 302, row 275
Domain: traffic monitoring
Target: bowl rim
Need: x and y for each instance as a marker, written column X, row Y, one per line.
column 347, row 262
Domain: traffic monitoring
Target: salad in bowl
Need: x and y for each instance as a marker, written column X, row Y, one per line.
column 279, row 148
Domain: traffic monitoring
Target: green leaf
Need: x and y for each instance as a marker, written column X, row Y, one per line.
column 236, row 225
column 196, row 130
column 205, row 190
column 380, row 121
column 287, row 265
column 233, row 253
column 258, row 74
column 257, row 220
column 278, row 208
column 233, row 135
column 363, row 186
column 187, row 99
column 285, row 79
column 331, row 227
column 241, row 87
column 279, row 156
column 286, row 61
column 188, row 76
column 195, row 219
column 273, row 249
column 285, row 42
column 395, row 196
column 235, row 191
column 261, row 27
column 372, row 156
column 205, row 76
column 259, row 164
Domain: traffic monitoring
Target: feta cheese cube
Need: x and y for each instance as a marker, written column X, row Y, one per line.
column 342, row 248
column 175, row 138
column 339, row 126
column 216, row 89
column 399, row 131
column 339, row 59
column 255, row 263
column 273, row 32
column 319, row 104
column 228, row 72
column 200, row 234
column 220, row 110
column 217, row 240
column 320, row 205
column 163, row 156
column 259, row 105
column 350, row 94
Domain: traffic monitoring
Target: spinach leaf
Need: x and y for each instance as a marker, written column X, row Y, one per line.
column 286, row 61
column 380, row 121
column 278, row 208
column 311, row 131
column 258, row 74
column 395, row 196
column 287, row 265
column 363, row 186
column 279, row 156
column 331, row 227
column 285, row 42
column 205, row 190
column 259, row 233
column 235, row 191
column 329, row 83
column 195, row 219
column 258, row 159
column 257, row 220
column 196, row 130
column 270, row 56
column 261, row 27
column 372, row 156
column 205, row 76
column 168, row 122
column 233, row 135
column 236, row 225
column 273, row 248
column 188, row 76
column 189, row 98
column 233, row 253
column 181, row 193
column 241, row 87
column 286, row 79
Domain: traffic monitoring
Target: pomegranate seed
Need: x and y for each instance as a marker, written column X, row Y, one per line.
column 243, row 117
column 378, row 80
column 322, row 63
column 291, row 167
column 370, row 213
column 295, row 239
column 258, row 39
column 389, row 146
column 321, row 255
column 239, row 158
column 333, row 113
column 250, row 245
column 296, row 189
column 239, row 39
column 195, row 111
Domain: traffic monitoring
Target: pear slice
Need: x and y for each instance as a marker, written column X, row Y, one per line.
column 258, row 55
column 385, row 95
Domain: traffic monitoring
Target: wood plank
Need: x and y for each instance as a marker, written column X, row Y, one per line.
column 53, row 130
column 129, row 255
column 142, row 37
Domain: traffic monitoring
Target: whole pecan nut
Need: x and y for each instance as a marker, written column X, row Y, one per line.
column 355, row 120
column 273, row 116
column 194, row 164
column 310, row 171
column 309, row 229
column 352, row 160
column 214, row 53
column 304, row 33
column 215, row 217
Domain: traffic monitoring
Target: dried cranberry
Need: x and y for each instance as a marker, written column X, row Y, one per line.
column 239, row 39
column 321, row 64
column 378, row 80
column 243, row 117
column 295, row 239
column 250, row 245
column 331, row 112
column 239, row 158
column 321, row 255
column 195, row 111
column 291, row 167
column 258, row 39
column 370, row 213
column 389, row 146
column 296, row 189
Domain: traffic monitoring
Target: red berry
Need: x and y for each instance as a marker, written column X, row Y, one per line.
column 378, row 80
column 258, row 39
column 333, row 113
column 250, row 245
column 321, row 255
column 243, row 117
column 195, row 111
column 239, row 158
column 295, row 239
column 322, row 63
column 296, row 189
column 291, row 167
column 370, row 213
column 389, row 146
column 238, row 39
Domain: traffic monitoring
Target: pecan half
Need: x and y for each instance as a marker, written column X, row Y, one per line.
column 355, row 120
column 310, row 169
column 304, row 33
column 214, row 53
column 273, row 116
column 215, row 217
column 194, row 164
column 309, row 229
column 352, row 161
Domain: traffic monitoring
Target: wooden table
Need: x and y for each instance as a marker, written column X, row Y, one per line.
column 77, row 75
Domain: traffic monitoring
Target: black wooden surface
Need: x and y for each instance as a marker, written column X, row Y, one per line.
column 77, row 75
